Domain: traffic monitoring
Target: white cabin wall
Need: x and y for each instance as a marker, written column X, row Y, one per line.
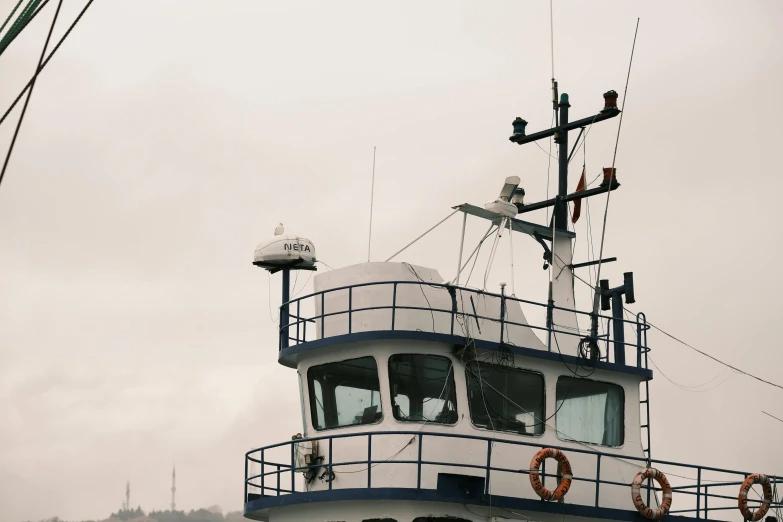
column 470, row 320
column 397, row 447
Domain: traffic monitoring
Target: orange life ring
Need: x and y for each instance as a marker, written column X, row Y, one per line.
column 636, row 494
column 565, row 470
column 747, row 513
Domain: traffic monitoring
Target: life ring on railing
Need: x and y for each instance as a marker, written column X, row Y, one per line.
column 636, row 494
column 565, row 470
column 747, row 513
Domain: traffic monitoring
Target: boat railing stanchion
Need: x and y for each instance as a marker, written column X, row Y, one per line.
column 293, row 467
column 489, row 465
column 706, row 496
column 330, row 476
column 418, row 463
column 246, row 478
column 350, row 308
column 369, row 460
column 597, row 477
column 278, row 479
column 262, row 473
column 394, row 304
column 698, row 492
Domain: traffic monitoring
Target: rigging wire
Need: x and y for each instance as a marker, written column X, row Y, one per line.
column 692, row 389
column 765, row 413
column 11, row 14
column 30, row 92
column 28, row 13
column 45, row 62
column 705, row 354
column 611, row 179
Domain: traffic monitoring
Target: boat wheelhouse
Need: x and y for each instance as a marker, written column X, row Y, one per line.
column 426, row 400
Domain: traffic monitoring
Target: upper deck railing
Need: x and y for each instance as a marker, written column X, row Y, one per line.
column 698, row 491
column 304, row 326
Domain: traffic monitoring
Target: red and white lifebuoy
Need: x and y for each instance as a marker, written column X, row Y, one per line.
column 750, row 480
column 565, row 471
column 636, row 494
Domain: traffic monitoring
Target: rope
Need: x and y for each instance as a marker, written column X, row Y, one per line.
column 10, row 15
column 611, row 179
column 30, row 92
column 45, row 62
column 24, row 18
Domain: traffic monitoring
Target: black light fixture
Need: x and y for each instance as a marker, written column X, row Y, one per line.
column 519, row 126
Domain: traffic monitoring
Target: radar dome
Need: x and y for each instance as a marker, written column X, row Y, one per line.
column 285, row 251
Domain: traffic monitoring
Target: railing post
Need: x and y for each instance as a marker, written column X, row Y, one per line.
column 284, row 308
column 278, row 479
column 298, row 320
column 350, row 308
column 369, row 461
column 489, row 465
column 323, row 314
column 293, row 466
column 502, row 310
column 418, row 463
column 706, row 496
column 331, row 473
column 394, row 304
column 246, row 460
column 638, row 343
column 698, row 492
column 597, row 478
column 453, row 293
column 263, row 489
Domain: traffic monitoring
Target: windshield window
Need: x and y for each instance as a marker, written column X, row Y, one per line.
column 505, row 399
column 422, row 388
column 344, row 393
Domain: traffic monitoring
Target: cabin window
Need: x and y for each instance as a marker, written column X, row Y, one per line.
column 590, row 411
column 344, row 393
column 505, row 399
column 422, row 388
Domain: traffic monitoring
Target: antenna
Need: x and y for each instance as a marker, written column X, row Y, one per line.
column 372, row 197
column 173, row 488
column 126, row 506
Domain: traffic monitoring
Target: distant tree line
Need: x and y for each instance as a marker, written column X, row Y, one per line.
column 213, row 514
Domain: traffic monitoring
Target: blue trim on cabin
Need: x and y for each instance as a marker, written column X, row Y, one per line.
column 289, row 356
column 431, row 495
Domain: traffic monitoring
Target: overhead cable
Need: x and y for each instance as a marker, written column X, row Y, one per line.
column 30, row 92
column 46, row 61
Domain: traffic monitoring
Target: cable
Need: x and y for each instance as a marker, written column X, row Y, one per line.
column 30, row 92
column 765, row 413
column 10, row 15
column 611, row 178
column 410, row 267
column 303, row 286
column 692, row 389
column 45, row 62
column 667, row 334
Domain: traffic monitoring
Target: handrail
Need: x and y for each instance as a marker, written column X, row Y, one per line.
column 300, row 334
column 256, row 485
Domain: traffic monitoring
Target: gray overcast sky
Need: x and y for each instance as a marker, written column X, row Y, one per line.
column 168, row 138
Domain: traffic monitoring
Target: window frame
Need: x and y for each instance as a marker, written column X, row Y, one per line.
column 622, row 409
column 313, row 405
column 453, row 379
column 512, row 368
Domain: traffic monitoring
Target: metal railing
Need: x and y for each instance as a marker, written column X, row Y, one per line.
column 296, row 330
column 705, row 495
